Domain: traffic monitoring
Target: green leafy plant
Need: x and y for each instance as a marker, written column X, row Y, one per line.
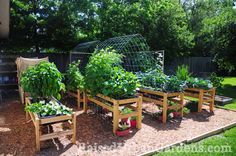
column 182, row 73
column 216, row 80
column 74, row 79
column 122, row 84
column 123, row 126
column 42, row 81
column 48, row 109
column 157, row 80
column 105, row 75
column 126, row 111
column 99, row 69
column 199, row 83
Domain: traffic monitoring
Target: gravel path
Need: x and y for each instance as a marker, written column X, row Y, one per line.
column 94, row 135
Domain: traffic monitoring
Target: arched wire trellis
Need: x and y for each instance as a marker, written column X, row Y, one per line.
column 137, row 54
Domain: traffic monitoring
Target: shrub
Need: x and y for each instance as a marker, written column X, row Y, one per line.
column 216, row 81
column 74, row 79
column 42, row 81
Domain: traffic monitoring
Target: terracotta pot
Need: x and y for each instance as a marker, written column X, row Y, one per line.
column 124, row 120
column 123, row 133
column 176, row 114
column 105, row 110
column 160, row 118
column 133, row 123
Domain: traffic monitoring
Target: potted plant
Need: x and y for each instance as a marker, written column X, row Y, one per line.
column 124, row 111
column 123, row 129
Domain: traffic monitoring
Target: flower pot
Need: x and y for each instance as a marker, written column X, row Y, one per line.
column 105, row 110
column 176, row 114
column 133, row 123
column 124, row 120
column 160, row 118
column 123, row 133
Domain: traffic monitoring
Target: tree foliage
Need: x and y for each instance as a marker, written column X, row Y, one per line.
column 180, row 27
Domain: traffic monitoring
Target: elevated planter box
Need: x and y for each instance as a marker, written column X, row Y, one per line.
column 113, row 105
column 203, row 96
column 40, row 121
column 161, row 99
column 78, row 95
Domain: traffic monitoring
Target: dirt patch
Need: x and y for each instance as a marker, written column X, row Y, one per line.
column 94, row 132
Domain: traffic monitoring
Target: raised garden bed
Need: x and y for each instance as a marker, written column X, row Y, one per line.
column 113, row 105
column 161, row 99
column 203, row 96
column 78, row 95
column 40, row 121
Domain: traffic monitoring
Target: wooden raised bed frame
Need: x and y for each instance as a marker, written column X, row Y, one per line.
column 38, row 122
column 114, row 108
column 176, row 97
column 203, row 96
column 78, row 95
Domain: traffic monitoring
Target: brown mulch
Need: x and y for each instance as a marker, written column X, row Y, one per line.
column 94, row 134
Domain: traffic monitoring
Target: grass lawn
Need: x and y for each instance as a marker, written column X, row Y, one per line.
column 223, row 145
column 229, row 89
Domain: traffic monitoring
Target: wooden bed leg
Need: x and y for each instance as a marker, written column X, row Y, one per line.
column 85, row 105
column 164, row 111
column 74, row 129
column 182, row 104
column 200, row 101
column 115, row 116
column 37, row 132
column 139, row 117
column 213, row 100
column 78, row 99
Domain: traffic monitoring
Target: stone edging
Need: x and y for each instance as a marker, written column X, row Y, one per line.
column 192, row 140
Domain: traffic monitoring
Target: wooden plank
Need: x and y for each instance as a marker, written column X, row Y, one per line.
column 174, row 107
column 74, row 128
column 157, row 102
column 132, row 107
column 116, row 114
column 152, row 92
column 55, row 119
column 37, row 135
column 173, row 94
column 125, row 101
column 100, row 104
column 121, row 116
column 139, row 111
column 55, row 135
column 200, row 101
column 106, row 98
column 164, row 111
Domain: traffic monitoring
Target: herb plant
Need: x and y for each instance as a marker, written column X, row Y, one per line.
column 199, row 83
column 74, row 79
column 42, row 81
column 182, row 73
column 123, row 126
column 48, row 109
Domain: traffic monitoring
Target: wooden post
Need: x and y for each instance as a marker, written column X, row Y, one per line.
column 26, row 113
column 182, row 104
column 212, row 103
column 74, row 128
column 85, row 106
column 164, row 111
column 200, row 100
column 37, row 132
column 139, row 116
column 78, row 98
column 116, row 115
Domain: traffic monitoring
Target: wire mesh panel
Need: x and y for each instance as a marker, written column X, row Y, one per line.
column 134, row 48
column 137, row 54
